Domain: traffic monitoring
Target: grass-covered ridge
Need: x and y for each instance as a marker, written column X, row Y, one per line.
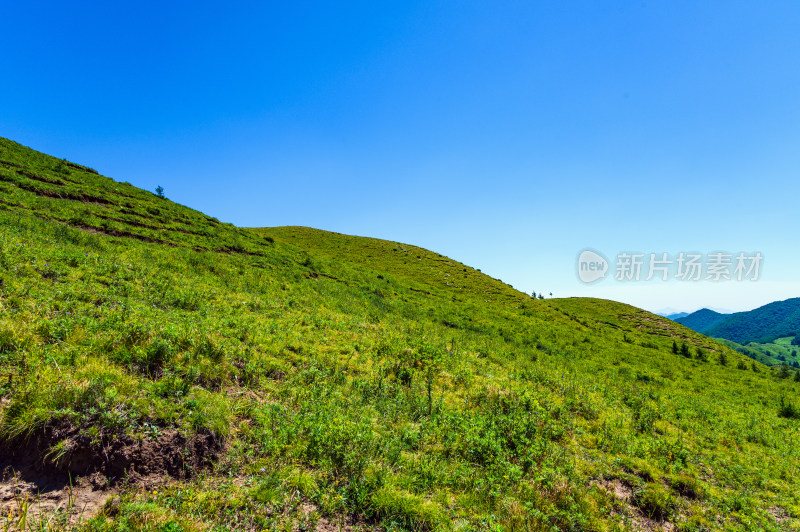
column 413, row 264
column 761, row 325
column 287, row 377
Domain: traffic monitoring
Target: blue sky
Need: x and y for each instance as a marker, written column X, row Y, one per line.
column 507, row 135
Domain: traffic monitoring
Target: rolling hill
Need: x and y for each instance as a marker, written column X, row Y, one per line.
column 703, row 320
column 162, row 370
column 676, row 315
column 761, row 325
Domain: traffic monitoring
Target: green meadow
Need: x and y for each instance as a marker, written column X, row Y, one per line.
column 778, row 352
column 211, row 377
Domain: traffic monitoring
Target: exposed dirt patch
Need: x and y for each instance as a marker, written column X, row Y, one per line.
column 241, row 251
column 128, row 222
column 29, row 496
column 79, row 167
column 124, row 234
column 85, row 198
column 632, row 515
column 40, row 178
column 619, row 489
column 131, row 212
column 333, row 524
column 780, row 515
column 612, row 325
column 111, row 458
column 77, row 483
column 420, row 291
column 142, row 225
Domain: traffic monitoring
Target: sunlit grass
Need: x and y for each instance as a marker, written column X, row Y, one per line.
column 359, row 380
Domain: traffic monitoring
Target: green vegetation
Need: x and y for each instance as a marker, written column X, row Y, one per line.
column 703, row 320
column 289, row 378
column 779, row 351
column 762, row 325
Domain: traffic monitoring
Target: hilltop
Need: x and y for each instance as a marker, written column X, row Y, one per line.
column 187, row 374
column 703, row 320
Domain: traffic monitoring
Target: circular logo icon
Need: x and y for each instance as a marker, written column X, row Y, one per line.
column 592, row 266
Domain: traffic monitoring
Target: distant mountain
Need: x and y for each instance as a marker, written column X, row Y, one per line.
column 703, row 320
column 764, row 324
column 676, row 315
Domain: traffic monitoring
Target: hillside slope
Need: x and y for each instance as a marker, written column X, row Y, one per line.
column 703, row 319
column 220, row 378
column 431, row 270
column 764, row 324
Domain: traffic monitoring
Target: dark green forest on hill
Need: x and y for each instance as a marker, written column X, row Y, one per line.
column 762, row 325
column 703, row 320
column 201, row 376
column 768, row 334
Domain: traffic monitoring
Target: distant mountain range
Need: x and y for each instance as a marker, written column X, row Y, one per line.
column 675, row 316
column 762, row 325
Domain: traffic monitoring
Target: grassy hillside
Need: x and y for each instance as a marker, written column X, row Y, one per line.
column 200, row 376
column 780, row 351
column 427, row 269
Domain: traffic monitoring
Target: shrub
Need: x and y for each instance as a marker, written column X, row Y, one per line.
column 788, row 410
column 688, row 486
column 208, row 348
column 685, row 350
column 61, row 168
column 158, row 353
column 8, row 339
column 655, row 500
column 406, row 509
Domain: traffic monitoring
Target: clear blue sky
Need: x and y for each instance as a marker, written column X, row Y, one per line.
column 507, row 135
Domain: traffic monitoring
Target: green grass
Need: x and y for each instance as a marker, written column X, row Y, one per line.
column 775, row 353
column 351, row 379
